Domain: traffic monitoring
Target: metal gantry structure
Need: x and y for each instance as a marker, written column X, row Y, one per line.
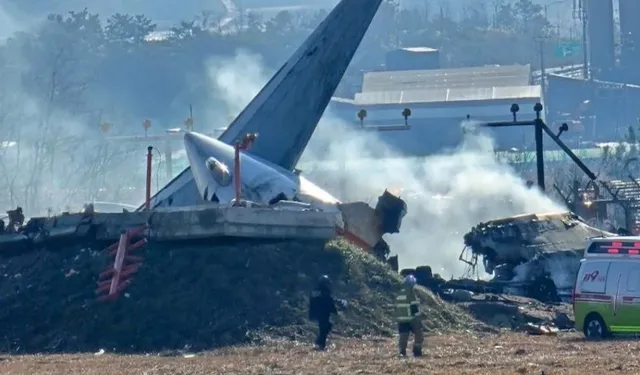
column 539, row 128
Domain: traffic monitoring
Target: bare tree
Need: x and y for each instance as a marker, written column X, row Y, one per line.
column 10, row 131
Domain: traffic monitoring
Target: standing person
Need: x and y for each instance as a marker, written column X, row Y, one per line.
column 321, row 307
column 409, row 318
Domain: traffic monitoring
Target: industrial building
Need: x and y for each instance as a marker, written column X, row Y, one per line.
column 440, row 101
column 605, row 99
column 598, row 99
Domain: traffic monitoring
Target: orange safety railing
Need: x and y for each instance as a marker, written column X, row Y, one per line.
column 117, row 277
column 243, row 145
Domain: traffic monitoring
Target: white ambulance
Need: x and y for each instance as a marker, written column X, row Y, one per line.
column 606, row 297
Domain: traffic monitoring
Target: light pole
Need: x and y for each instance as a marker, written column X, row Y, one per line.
column 543, row 72
column 580, row 12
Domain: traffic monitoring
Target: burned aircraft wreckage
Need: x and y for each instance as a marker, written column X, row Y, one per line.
column 533, row 254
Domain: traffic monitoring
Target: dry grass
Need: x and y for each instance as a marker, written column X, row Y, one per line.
column 509, row 353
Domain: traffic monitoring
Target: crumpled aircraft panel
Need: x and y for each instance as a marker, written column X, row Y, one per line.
column 518, row 239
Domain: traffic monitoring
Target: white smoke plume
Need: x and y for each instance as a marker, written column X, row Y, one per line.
column 447, row 194
column 8, row 24
column 234, row 82
column 562, row 268
column 52, row 159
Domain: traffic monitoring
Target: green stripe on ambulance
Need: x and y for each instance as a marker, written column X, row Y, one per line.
column 607, row 288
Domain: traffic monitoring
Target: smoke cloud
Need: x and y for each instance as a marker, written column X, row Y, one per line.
column 8, row 24
column 234, row 82
column 446, row 194
column 53, row 158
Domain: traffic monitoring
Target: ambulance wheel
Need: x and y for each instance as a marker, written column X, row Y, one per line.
column 594, row 327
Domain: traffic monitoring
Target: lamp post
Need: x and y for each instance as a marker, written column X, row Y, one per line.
column 580, row 12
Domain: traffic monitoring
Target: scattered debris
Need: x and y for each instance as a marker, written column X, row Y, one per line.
column 518, row 313
column 540, row 329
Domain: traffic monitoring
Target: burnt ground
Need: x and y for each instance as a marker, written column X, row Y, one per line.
column 199, row 297
column 464, row 353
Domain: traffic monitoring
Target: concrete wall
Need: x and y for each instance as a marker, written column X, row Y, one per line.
column 210, row 222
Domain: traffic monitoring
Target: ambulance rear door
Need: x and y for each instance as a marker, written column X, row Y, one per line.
column 591, row 294
column 616, row 286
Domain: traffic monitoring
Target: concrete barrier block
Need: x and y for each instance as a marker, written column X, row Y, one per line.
column 270, row 223
column 63, row 221
column 111, row 225
column 267, row 216
column 209, row 221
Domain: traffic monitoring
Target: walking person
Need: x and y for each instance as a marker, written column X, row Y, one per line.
column 409, row 318
column 321, row 307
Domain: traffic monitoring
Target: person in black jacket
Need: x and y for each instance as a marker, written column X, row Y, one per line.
column 321, row 307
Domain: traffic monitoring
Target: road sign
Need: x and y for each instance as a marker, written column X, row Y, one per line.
column 568, row 48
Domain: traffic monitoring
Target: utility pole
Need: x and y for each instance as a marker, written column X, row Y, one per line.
column 538, row 127
column 168, row 159
column 580, row 11
column 344, row 191
column 543, row 71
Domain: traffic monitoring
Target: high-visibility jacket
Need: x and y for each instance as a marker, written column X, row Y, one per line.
column 407, row 306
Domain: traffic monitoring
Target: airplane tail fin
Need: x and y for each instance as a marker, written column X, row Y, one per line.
column 287, row 110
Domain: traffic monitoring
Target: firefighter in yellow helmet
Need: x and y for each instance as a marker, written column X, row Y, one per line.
column 409, row 318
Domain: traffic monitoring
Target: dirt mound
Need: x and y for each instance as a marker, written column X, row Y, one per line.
column 197, row 296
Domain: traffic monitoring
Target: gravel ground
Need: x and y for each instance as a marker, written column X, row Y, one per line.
column 470, row 353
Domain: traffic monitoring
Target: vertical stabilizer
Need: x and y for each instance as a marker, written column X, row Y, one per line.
column 287, row 110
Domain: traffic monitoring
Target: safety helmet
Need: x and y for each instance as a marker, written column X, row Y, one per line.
column 324, row 281
column 409, row 281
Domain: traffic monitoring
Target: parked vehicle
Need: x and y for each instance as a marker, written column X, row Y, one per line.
column 606, row 298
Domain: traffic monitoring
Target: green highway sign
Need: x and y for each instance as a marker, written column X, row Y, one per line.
column 568, row 48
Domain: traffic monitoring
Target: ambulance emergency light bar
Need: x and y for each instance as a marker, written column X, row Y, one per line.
column 615, row 247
